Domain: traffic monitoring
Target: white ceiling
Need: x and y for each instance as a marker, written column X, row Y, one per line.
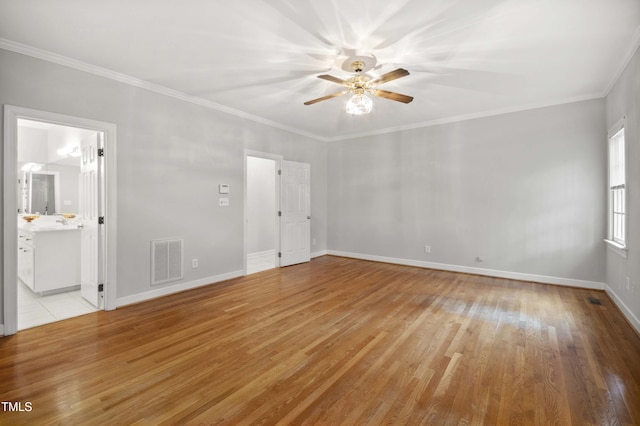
column 260, row 58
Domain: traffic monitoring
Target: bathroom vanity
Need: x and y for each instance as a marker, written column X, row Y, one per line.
column 49, row 257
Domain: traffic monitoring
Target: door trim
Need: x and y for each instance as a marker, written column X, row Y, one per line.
column 10, row 226
column 278, row 159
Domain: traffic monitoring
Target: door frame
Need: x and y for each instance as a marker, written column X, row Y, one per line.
column 10, row 225
column 278, row 159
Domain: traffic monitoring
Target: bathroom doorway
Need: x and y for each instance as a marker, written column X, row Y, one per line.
column 42, row 282
column 49, row 164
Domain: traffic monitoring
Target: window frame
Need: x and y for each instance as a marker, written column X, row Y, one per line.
column 615, row 241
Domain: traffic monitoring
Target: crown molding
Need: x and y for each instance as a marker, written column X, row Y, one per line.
column 633, row 47
column 472, row 116
column 127, row 79
column 136, row 82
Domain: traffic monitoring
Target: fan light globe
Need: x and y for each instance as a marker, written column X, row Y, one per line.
column 359, row 104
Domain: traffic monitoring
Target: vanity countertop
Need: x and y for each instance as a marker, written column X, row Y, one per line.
column 47, row 228
column 47, row 224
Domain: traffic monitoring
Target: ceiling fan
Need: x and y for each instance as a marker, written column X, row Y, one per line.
column 361, row 85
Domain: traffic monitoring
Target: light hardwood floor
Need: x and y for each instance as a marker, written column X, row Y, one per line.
column 334, row 341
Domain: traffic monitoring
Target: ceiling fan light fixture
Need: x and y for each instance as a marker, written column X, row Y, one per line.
column 360, row 86
column 359, row 104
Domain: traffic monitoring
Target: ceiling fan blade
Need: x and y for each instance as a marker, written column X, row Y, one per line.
column 324, row 98
column 333, row 79
column 391, row 75
column 393, row 96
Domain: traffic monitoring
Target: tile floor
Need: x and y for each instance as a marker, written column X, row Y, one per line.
column 257, row 262
column 35, row 310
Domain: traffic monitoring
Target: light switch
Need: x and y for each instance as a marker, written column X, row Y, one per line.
column 224, row 202
column 223, row 188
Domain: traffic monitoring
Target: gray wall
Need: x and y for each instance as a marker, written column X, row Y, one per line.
column 624, row 100
column 171, row 156
column 523, row 190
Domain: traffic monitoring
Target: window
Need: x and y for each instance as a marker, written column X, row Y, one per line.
column 617, row 204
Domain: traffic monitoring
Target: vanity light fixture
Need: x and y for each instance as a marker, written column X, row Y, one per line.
column 31, row 167
column 69, row 151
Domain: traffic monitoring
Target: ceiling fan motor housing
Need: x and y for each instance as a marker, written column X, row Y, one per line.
column 357, row 66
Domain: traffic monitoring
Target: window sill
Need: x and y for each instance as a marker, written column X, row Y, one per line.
column 617, row 248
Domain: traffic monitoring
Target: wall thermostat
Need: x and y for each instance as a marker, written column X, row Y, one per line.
column 223, row 188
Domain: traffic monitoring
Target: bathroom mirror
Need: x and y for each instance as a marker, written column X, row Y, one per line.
column 40, row 192
column 49, row 167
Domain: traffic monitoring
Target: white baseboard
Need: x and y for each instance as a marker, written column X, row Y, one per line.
column 260, row 254
column 594, row 285
column 270, row 254
column 319, row 253
column 633, row 320
column 164, row 291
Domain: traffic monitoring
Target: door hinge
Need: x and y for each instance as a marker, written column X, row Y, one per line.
column 100, row 152
column 279, row 172
column 279, row 254
column 279, row 213
column 100, row 287
column 101, row 220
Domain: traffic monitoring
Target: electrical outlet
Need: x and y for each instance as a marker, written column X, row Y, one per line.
column 224, row 202
column 427, row 249
column 194, row 263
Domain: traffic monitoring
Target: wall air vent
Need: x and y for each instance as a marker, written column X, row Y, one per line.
column 166, row 261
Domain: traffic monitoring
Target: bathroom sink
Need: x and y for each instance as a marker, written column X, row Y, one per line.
column 50, row 223
column 57, row 227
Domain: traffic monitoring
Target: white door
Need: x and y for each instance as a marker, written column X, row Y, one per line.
column 90, row 172
column 295, row 224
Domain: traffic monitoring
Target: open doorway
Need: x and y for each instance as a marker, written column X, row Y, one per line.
column 261, row 222
column 50, row 222
column 55, row 256
column 277, row 212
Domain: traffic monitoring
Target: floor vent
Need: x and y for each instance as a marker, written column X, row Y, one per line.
column 594, row 301
column 166, row 261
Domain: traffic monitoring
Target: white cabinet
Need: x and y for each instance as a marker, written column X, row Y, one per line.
column 49, row 260
column 25, row 258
